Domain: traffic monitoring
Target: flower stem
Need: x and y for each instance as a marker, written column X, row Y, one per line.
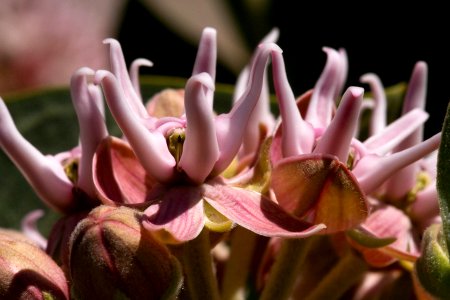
column 343, row 276
column 238, row 266
column 198, row 268
column 285, row 269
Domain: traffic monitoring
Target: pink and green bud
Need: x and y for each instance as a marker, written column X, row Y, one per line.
column 27, row 272
column 111, row 257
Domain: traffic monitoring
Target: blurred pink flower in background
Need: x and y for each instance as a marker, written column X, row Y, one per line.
column 45, row 41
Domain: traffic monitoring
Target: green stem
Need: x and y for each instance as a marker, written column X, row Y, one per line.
column 285, row 269
column 443, row 178
column 198, row 268
column 347, row 272
column 238, row 265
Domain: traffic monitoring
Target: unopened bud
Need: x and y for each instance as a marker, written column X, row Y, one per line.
column 433, row 267
column 111, row 258
column 27, row 272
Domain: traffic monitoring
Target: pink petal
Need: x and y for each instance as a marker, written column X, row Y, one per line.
column 207, row 53
column 337, row 137
column 426, row 205
column 150, row 147
column 276, row 146
column 118, row 176
column 322, row 101
column 256, row 212
column 200, row 148
column 379, row 113
column 179, row 211
column 134, row 73
column 45, row 174
column 243, row 77
column 343, row 72
column 230, row 126
column 398, row 185
column 261, row 115
column 388, row 221
column 298, row 135
column 388, row 137
column 119, row 69
column 30, row 229
column 92, row 126
column 372, row 170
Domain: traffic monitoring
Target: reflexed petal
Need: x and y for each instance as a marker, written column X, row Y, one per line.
column 386, row 222
column 118, row 176
column 256, row 212
column 179, row 212
column 321, row 188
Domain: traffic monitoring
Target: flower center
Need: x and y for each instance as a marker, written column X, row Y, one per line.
column 71, row 169
column 175, row 143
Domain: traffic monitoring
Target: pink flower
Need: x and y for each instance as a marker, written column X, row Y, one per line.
column 321, row 172
column 180, row 159
column 52, row 177
column 44, row 42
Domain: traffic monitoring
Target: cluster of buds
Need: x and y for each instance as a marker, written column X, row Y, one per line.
column 193, row 204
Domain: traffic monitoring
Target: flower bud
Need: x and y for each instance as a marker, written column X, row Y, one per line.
column 27, row 272
column 433, row 267
column 111, row 258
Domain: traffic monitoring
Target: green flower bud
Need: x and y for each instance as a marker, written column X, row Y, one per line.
column 433, row 267
column 27, row 272
column 111, row 257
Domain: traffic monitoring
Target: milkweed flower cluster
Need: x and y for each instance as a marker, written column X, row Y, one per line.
column 175, row 206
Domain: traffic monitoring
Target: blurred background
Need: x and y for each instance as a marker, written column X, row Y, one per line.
column 44, row 41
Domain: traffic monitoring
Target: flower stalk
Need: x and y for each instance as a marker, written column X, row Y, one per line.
column 198, row 268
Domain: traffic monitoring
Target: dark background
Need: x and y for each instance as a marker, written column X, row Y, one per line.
column 378, row 38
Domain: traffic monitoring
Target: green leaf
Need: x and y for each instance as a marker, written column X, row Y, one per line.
column 47, row 119
column 443, row 177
